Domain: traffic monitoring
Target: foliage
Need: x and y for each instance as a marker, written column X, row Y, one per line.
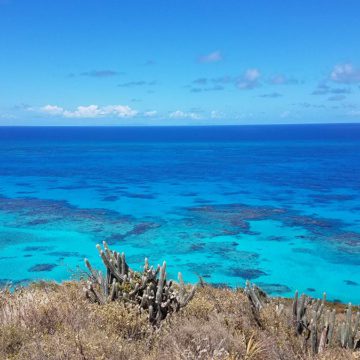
column 148, row 291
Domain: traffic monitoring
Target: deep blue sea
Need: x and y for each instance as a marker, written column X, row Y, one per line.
column 279, row 205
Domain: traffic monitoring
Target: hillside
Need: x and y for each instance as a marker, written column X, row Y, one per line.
column 56, row 321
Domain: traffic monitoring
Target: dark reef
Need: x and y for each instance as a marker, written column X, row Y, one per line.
column 42, row 267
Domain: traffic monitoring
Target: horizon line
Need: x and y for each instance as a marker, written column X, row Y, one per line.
column 173, row 126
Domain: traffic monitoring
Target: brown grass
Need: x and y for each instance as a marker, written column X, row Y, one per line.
column 50, row 321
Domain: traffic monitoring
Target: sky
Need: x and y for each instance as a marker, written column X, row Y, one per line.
column 179, row 62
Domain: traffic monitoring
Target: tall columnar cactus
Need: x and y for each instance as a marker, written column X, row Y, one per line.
column 256, row 295
column 299, row 313
column 149, row 290
column 326, row 335
column 318, row 325
column 347, row 332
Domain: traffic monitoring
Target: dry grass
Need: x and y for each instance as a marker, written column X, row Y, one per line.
column 49, row 321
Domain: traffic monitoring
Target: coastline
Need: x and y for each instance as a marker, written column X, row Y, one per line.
column 141, row 315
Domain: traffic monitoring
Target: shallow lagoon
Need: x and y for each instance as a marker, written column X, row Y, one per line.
column 278, row 205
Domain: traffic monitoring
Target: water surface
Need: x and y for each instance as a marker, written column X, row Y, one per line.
column 278, row 205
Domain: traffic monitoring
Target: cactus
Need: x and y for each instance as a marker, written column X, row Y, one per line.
column 183, row 297
column 326, row 335
column 320, row 326
column 299, row 310
column 148, row 290
column 256, row 296
column 347, row 333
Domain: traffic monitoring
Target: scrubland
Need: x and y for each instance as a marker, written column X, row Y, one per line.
column 55, row 321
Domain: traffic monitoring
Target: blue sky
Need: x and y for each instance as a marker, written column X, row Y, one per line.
column 152, row 62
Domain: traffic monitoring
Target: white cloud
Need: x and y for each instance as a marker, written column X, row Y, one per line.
column 249, row 80
column 214, row 114
column 90, row 111
column 211, row 58
column 51, row 109
column 178, row 114
column 150, row 113
column 120, row 111
column 345, row 73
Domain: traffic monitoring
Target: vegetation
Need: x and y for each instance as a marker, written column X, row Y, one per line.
column 56, row 321
column 148, row 291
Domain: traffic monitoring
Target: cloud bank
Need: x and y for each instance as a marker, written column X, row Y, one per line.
column 178, row 114
column 90, row 111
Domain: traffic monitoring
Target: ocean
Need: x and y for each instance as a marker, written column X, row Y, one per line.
column 278, row 205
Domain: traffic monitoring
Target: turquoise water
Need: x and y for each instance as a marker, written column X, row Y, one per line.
column 278, row 205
